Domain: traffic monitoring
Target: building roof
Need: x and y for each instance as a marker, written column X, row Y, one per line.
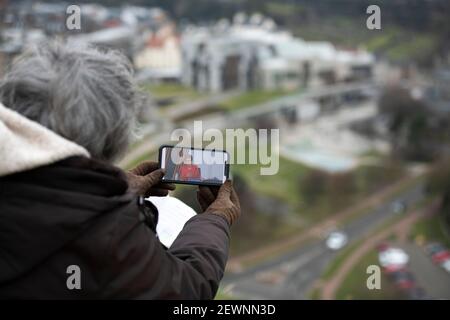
column 271, row 43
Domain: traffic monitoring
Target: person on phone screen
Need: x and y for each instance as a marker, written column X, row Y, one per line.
column 189, row 171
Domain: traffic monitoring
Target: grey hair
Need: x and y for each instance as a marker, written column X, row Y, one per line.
column 84, row 94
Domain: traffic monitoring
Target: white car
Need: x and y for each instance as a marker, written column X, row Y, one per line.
column 446, row 265
column 336, row 240
column 393, row 257
column 398, row 207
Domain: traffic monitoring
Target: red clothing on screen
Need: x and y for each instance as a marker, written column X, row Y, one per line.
column 189, row 171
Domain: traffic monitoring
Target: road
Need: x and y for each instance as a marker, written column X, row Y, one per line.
column 292, row 275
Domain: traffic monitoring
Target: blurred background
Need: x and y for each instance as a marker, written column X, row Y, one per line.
column 364, row 119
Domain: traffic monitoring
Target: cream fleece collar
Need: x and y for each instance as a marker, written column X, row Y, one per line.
column 25, row 144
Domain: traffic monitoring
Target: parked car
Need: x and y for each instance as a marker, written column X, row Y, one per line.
column 438, row 253
column 383, row 246
column 446, row 265
column 441, row 257
column 403, row 279
column 417, row 293
column 393, row 259
column 336, row 240
column 392, row 268
column 433, row 248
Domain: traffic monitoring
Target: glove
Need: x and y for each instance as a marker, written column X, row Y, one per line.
column 223, row 202
column 145, row 180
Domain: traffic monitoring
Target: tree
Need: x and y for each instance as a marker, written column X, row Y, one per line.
column 246, row 223
column 439, row 184
column 441, row 27
column 410, row 125
column 340, row 188
column 313, row 186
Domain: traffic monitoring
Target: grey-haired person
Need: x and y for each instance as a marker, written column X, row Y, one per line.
column 67, row 113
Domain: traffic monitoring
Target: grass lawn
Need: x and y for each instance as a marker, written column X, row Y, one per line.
column 394, row 42
column 315, row 294
column 192, row 116
column 400, row 44
column 282, row 10
column 354, row 286
column 251, row 98
column 223, row 296
column 283, row 185
column 339, row 260
column 172, row 90
column 286, row 186
column 265, row 231
column 400, row 189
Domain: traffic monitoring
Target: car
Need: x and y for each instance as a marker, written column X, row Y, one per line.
column 433, row 248
column 446, row 265
column 403, row 279
column 383, row 246
column 441, row 257
column 398, row 207
column 336, row 240
column 438, row 253
column 393, row 259
column 391, row 268
column 417, row 293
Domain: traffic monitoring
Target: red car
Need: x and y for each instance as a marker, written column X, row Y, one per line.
column 403, row 280
column 441, row 256
column 392, row 268
column 383, row 246
column 437, row 252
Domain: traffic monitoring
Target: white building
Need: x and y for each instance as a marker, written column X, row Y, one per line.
column 160, row 59
column 253, row 53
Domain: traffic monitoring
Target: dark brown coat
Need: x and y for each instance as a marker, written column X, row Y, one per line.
column 78, row 212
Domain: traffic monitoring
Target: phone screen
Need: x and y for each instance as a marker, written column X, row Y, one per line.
column 194, row 166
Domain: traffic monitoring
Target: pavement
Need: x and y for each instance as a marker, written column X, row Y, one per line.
column 432, row 278
column 292, row 275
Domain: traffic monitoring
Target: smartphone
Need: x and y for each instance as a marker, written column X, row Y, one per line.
column 194, row 166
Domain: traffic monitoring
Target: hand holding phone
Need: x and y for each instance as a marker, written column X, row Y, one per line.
column 223, row 201
column 145, row 179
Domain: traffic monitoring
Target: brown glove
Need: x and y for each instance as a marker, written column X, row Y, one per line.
column 145, row 180
column 223, row 202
